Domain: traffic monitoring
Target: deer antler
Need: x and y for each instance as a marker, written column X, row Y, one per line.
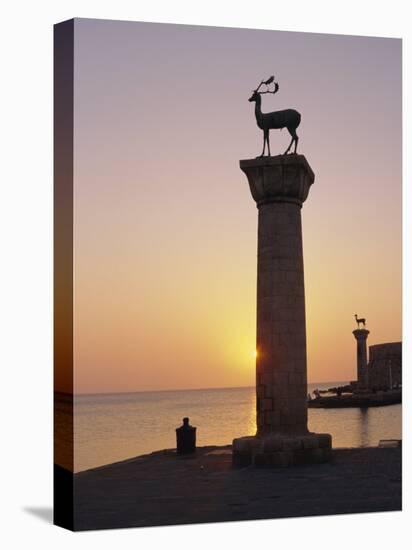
column 267, row 84
column 271, row 91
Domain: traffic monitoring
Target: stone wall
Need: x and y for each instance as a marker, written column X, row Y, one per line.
column 384, row 358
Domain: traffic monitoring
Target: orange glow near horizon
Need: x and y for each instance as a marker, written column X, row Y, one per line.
column 165, row 228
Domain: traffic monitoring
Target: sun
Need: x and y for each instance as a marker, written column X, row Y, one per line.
column 255, row 353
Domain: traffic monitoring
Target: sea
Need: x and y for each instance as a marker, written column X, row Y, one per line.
column 113, row 427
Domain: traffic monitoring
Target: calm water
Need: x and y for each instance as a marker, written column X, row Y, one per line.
column 113, row 427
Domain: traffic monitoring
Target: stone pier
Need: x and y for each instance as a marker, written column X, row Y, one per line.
column 361, row 336
column 280, row 185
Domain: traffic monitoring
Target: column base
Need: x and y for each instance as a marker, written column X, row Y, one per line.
column 280, row 450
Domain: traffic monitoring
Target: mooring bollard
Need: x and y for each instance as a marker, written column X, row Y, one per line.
column 185, row 438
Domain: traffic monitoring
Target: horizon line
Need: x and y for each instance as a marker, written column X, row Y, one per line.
column 178, row 389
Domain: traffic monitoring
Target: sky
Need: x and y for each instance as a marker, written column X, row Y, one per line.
column 165, row 227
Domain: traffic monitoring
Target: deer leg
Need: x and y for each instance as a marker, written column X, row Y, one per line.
column 292, row 132
column 264, row 143
column 288, row 149
column 296, row 142
column 265, row 140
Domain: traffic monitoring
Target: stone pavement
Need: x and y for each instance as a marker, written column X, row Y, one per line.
column 164, row 489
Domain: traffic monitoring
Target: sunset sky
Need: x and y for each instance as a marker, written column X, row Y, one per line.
column 165, row 227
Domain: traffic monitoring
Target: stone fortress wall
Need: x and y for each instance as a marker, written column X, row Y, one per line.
column 385, row 365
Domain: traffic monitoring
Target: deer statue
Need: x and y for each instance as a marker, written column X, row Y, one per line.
column 360, row 321
column 288, row 118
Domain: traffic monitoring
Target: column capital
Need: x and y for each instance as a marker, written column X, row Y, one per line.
column 361, row 333
column 283, row 178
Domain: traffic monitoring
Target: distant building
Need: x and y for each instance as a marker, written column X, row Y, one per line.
column 385, row 365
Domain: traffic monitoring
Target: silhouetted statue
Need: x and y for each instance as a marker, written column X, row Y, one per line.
column 360, row 321
column 288, row 118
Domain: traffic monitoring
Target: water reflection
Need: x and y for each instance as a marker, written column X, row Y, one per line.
column 358, row 427
column 363, row 427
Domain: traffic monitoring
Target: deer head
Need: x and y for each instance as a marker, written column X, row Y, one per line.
column 267, row 83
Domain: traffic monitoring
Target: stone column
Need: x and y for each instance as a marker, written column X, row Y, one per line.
column 280, row 185
column 361, row 336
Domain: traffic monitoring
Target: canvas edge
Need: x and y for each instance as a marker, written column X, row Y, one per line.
column 63, row 99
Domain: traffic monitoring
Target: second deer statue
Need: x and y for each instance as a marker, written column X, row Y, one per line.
column 360, row 321
column 288, row 118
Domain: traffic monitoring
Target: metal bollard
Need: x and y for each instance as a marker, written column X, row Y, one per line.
column 185, row 438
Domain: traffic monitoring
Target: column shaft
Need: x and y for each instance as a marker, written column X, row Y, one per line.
column 281, row 383
column 361, row 336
